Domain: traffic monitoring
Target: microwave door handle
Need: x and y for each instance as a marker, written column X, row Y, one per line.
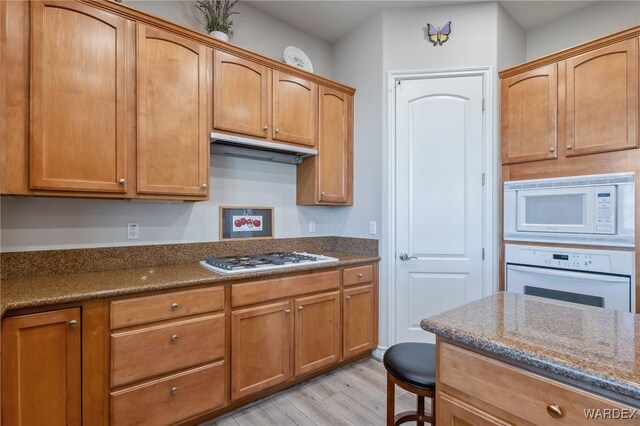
column 557, row 273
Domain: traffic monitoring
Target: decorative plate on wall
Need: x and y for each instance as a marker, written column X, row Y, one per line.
column 297, row 58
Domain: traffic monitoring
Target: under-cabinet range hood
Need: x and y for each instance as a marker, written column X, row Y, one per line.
column 255, row 149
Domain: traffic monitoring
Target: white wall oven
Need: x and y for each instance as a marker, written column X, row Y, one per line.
column 593, row 210
column 602, row 278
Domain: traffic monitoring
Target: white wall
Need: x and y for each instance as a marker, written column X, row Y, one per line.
column 358, row 62
column 591, row 22
column 50, row 223
column 254, row 30
column 512, row 41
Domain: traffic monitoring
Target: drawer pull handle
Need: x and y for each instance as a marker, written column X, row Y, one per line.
column 174, row 338
column 73, row 323
column 348, row 297
column 174, row 390
column 360, row 275
column 287, row 311
column 554, row 411
column 174, row 306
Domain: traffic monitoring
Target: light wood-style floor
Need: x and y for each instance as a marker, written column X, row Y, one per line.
column 353, row 395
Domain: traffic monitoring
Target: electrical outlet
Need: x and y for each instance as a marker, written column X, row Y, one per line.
column 312, row 226
column 373, row 227
column 133, row 231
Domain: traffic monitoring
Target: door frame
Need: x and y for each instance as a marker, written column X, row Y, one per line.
column 490, row 208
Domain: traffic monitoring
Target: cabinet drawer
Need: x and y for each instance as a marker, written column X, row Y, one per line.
column 148, row 352
column 279, row 288
column 358, row 275
column 170, row 399
column 515, row 391
column 141, row 310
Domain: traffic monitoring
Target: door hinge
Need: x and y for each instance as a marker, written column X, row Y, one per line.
column 482, row 253
column 483, row 104
column 484, row 179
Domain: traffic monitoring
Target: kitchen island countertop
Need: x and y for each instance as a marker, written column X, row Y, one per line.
column 584, row 345
column 32, row 292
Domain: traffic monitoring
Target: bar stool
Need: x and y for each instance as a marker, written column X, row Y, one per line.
column 412, row 366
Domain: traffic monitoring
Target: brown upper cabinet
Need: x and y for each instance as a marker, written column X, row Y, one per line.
column 602, row 99
column 109, row 102
column 529, row 115
column 295, row 109
column 173, row 130
column 240, row 95
column 78, row 73
column 254, row 100
column 327, row 178
column 576, row 102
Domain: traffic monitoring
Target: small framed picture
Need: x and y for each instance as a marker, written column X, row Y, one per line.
column 246, row 222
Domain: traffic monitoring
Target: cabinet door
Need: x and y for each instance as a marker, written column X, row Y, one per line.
column 295, row 109
column 240, row 95
column 335, row 147
column 452, row 411
column 77, row 98
column 602, row 99
column 261, row 343
column 41, row 369
column 358, row 320
column 529, row 115
column 317, row 332
column 173, row 140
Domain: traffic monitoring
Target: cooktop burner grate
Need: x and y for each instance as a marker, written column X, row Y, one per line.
column 244, row 263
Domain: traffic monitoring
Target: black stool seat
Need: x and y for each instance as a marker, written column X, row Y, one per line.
column 412, row 363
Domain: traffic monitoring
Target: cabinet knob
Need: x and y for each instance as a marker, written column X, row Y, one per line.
column 122, row 181
column 277, row 130
column 322, row 193
column 552, row 149
column 554, row 411
column 73, row 323
column 569, row 146
column 174, row 390
column 348, row 297
column 265, row 127
column 174, row 338
column 301, row 308
column 174, row 306
column 287, row 311
column 204, row 186
column 360, row 275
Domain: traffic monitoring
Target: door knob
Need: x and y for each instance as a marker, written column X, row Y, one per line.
column 405, row 257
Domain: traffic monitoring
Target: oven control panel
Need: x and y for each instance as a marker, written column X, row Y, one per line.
column 607, row 261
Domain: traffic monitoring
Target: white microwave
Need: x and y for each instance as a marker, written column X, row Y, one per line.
column 595, row 210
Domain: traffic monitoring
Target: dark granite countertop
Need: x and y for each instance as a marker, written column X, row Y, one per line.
column 29, row 292
column 597, row 347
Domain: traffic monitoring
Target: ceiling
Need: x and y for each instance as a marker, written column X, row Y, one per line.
column 330, row 20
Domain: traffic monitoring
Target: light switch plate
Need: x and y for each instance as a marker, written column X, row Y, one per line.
column 373, row 227
column 312, row 226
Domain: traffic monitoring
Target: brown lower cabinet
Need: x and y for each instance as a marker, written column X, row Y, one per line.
column 183, row 356
column 260, row 347
column 481, row 382
column 358, row 324
column 41, row 369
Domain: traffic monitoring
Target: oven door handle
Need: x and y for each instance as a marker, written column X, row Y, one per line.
column 557, row 273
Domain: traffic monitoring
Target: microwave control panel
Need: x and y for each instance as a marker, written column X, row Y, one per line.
column 605, row 210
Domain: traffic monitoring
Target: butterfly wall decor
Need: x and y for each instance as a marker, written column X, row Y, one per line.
column 437, row 35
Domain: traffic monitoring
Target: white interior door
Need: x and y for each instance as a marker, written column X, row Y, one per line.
column 439, row 198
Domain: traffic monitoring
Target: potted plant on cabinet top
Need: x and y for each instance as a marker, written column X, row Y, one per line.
column 217, row 14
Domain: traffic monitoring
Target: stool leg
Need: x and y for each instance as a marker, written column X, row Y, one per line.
column 391, row 401
column 433, row 410
column 420, row 409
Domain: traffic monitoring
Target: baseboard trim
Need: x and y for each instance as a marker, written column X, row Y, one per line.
column 378, row 352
